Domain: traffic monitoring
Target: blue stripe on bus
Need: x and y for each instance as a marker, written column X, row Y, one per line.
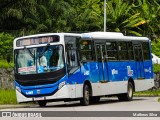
column 96, row 71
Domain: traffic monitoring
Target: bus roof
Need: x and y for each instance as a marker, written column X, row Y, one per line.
column 43, row 35
column 111, row 35
column 93, row 35
column 48, row 34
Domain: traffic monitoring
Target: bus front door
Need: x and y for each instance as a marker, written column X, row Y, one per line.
column 139, row 61
column 102, row 63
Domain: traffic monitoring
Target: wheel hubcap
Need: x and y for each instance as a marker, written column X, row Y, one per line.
column 130, row 91
column 87, row 95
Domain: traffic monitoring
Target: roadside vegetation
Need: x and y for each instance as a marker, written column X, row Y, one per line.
column 131, row 17
column 5, row 64
column 156, row 67
column 7, row 96
column 149, row 93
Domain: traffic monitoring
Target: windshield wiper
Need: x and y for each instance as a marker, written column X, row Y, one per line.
column 29, row 52
column 44, row 50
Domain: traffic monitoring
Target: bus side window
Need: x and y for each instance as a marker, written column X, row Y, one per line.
column 122, row 50
column 71, row 54
column 146, row 51
column 72, row 58
column 86, row 50
column 130, row 51
column 111, row 51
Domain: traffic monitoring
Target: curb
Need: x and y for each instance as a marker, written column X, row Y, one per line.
column 14, row 106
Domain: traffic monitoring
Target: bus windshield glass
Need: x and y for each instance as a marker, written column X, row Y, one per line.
column 39, row 60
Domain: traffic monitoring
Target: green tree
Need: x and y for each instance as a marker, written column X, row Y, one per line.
column 6, row 43
column 85, row 15
column 12, row 13
column 156, row 48
column 48, row 16
column 150, row 12
column 120, row 18
column 130, row 17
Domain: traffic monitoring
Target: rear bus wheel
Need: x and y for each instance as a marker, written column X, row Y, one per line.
column 127, row 96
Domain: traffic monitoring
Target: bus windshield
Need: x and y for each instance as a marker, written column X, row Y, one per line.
column 39, row 60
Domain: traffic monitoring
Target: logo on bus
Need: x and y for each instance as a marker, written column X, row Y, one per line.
column 29, row 92
column 114, row 72
column 129, row 71
column 148, row 70
column 86, row 73
column 38, row 91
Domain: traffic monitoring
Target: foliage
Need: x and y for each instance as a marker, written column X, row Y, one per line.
column 7, row 96
column 141, row 17
column 150, row 13
column 6, row 43
column 156, row 48
column 148, row 93
column 5, row 64
column 86, row 15
column 156, row 67
column 13, row 12
column 48, row 16
column 120, row 18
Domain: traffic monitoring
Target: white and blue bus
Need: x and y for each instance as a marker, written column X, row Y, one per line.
column 67, row 66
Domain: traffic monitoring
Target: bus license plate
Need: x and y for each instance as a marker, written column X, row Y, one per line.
column 38, row 98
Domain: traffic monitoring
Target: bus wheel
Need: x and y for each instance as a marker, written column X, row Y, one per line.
column 127, row 96
column 86, row 95
column 42, row 103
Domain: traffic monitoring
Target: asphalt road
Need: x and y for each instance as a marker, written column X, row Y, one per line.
column 107, row 106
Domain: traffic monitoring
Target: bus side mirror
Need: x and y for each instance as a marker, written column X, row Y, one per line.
column 8, row 58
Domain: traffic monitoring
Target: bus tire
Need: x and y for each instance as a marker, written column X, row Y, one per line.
column 127, row 96
column 86, row 95
column 42, row 103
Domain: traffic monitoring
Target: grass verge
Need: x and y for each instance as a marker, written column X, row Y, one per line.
column 7, row 96
column 149, row 93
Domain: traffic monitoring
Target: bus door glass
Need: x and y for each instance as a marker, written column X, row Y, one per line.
column 102, row 63
column 139, row 60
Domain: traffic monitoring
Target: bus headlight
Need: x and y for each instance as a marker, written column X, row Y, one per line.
column 61, row 84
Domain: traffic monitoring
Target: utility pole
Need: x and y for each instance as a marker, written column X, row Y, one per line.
column 104, row 15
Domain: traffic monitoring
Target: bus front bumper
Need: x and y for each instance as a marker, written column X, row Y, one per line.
column 67, row 91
